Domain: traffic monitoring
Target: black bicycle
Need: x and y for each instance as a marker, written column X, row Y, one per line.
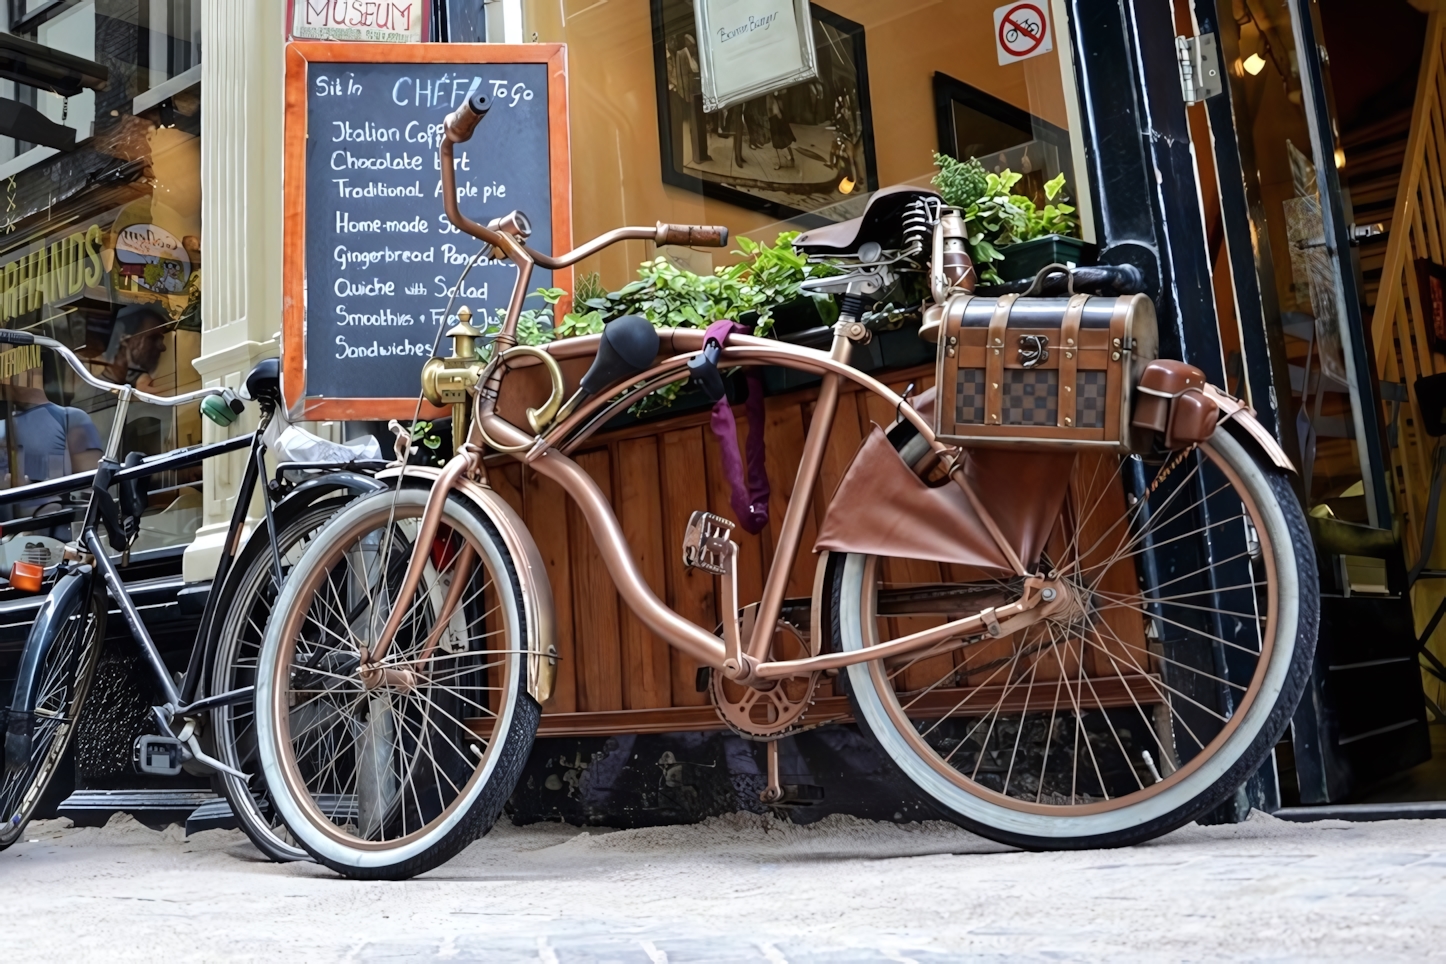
column 205, row 717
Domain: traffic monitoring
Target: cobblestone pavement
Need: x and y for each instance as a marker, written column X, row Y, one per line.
column 742, row 888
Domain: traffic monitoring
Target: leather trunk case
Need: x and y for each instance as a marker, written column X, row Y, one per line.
column 1050, row 372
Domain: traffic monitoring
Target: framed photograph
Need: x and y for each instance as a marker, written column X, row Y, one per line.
column 973, row 123
column 1431, row 282
column 790, row 151
column 747, row 48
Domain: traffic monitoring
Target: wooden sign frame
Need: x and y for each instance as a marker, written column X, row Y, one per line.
column 299, row 55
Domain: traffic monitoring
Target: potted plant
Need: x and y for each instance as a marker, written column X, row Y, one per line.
column 1010, row 236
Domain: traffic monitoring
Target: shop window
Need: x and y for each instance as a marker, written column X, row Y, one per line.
column 167, row 44
column 113, row 267
column 811, row 151
column 973, row 123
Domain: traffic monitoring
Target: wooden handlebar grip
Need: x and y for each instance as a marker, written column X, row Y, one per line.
column 464, row 120
column 692, row 235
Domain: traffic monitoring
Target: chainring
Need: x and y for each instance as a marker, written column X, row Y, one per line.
column 766, row 714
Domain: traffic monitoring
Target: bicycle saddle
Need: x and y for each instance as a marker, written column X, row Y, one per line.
column 882, row 222
column 264, row 382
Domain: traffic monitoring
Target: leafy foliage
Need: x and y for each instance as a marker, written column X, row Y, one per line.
column 673, row 297
column 994, row 215
column 960, row 182
column 426, row 444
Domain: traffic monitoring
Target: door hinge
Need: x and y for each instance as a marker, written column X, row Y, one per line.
column 1199, row 67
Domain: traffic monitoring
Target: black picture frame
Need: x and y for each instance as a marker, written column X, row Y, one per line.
column 949, row 91
column 669, row 139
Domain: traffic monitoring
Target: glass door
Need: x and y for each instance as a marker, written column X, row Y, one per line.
column 1279, row 79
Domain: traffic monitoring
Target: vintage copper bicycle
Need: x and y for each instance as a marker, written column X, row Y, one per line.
column 1100, row 675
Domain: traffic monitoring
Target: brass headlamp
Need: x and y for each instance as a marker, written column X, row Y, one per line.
column 446, row 381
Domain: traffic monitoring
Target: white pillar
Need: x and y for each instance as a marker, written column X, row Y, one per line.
column 242, row 132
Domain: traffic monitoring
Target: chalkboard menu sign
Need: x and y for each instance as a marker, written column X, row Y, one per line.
column 371, row 261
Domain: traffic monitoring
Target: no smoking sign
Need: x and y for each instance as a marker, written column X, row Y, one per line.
column 1021, row 31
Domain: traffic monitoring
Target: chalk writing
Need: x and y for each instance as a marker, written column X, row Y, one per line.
column 381, row 257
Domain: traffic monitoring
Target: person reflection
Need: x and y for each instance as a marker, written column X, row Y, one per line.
column 50, row 441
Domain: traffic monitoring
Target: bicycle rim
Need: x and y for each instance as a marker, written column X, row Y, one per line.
column 237, row 645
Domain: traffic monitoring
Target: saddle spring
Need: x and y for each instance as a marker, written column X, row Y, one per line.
column 918, row 225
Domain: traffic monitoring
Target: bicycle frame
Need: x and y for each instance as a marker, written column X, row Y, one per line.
column 746, row 660
column 180, row 700
column 741, row 660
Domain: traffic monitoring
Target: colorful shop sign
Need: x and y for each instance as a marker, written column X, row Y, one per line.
column 150, row 258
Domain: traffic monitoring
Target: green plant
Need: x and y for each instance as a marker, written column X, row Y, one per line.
column 994, row 215
column 425, row 434
column 960, row 182
column 674, row 297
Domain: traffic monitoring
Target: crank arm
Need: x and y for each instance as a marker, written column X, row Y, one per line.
column 194, row 746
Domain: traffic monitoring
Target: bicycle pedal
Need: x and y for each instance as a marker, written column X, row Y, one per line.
column 159, row 756
column 706, row 543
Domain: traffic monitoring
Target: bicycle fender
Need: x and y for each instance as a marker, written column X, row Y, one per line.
column 1234, row 410
column 63, row 602
column 313, row 489
column 538, row 618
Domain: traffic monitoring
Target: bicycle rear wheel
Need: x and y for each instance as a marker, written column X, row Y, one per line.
column 1145, row 704
column 63, row 682
column 386, row 775
column 243, row 608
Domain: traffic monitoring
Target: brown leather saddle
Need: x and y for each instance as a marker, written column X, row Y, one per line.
column 882, row 222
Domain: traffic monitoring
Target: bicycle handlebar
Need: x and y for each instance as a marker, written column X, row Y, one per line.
column 30, row 338
column 458, row 129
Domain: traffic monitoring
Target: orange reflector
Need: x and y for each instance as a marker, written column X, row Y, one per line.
column 25, row 576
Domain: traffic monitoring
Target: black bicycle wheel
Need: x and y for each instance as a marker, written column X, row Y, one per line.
column 243, row 608
column 64, row 680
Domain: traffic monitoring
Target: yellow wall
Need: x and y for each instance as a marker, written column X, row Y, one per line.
column 616, row 165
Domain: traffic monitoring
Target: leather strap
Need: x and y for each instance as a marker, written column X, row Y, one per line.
column 1069, row 359
column 748, row 496
column 994, row 361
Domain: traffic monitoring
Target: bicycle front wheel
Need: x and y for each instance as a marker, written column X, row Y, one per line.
column 1147, row 702
column 384, row 775
column 64, row 680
